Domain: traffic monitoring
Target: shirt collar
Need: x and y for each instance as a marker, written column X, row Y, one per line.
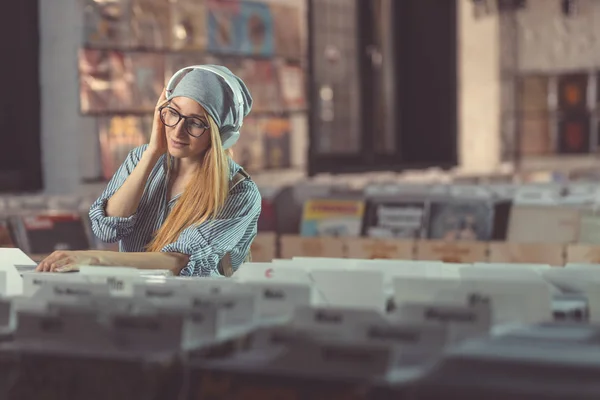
column 234, row 168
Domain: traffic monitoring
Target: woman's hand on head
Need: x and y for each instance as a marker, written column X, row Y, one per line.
column 67, row 261
column 158, row 138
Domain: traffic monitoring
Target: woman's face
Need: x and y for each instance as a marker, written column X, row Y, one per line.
column 190, row 137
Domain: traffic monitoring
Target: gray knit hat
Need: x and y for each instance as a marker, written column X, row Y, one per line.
column 222, row 94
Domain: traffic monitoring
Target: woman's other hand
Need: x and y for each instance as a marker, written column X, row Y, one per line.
column 158, row 138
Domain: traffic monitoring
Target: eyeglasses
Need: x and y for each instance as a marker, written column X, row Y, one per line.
column 194, row 126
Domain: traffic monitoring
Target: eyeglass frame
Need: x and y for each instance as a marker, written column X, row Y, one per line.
column 181, row 117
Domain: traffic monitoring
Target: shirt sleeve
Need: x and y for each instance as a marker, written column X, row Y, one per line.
column 207, row 243
column 112, row 229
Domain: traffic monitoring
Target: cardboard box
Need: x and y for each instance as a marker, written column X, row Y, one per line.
column 363, row 248
column 544, row 224
column 297, row 246
column 527, row 253
column 583, row 254
column 264, row 247
column 451, row 252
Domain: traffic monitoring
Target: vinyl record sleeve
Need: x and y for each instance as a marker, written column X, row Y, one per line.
column 106, row 23
column 257, row 29
column 224, row 27
column 287, row 30
column 150, row 24
column 118, row 135
column 188, row 25
column 148, row 70
column 95, row 81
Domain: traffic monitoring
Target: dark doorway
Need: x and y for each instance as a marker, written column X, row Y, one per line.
column 20, row 154
column 396, row 82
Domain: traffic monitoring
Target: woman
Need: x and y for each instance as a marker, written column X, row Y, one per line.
column 180, row 202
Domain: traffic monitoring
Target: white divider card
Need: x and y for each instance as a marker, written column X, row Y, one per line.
column 120, row 280
column 334, row 322
column 9, row 259
column 526, row 301
column 277, row 272
column 520, row 266
column 470, row 191
column 24, row 303
column 507, row 272
column 204, row 285
column 33, row 281
column 415, row 343
column 554, row 332
column 277, row 300
column 397, row 268
column 538, row 195
column 352, row 288
column 585, row 194
column 67, row 330
column 461, row 321
column 266, row 337
column 159, row 291
column 5, row 312
column 103, row 304
column 580, row 265
column 3, row 283
column 153, row 332
column 71, row 290
column 422, row 289
column 574, row 279
column 312, row 263
column 511, row 301
column 336, row 358
column 592, row 292
column 199, row 325
column 238, row 309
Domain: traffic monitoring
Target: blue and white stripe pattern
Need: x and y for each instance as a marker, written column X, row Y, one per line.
column 232, row 231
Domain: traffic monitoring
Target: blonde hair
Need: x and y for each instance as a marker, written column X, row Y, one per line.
column 203, row 197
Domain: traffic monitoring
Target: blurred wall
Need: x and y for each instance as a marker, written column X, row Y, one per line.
column 70, row 147
column 479, row 90
column 68, row 153
column 549, row 41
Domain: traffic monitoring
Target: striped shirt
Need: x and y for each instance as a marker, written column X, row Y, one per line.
column 232, row 231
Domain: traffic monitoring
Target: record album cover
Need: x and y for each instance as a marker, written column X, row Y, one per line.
column 287, row 32
column 95, row 83
column 262, row 81
column 332, row 217
column 249, row 150
column 276, row 141
column 574, row 134
column 106, row 23
column 189, row 27
column 45, row 233
column 224, row 26
column 150, row 24
column 176, row 61
column 257, row 29
column 394, row 218
column 148, row 71
column 572, row 91
column 118, row 136
column 122, row 82
column 292, row 85
column 455, row 220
